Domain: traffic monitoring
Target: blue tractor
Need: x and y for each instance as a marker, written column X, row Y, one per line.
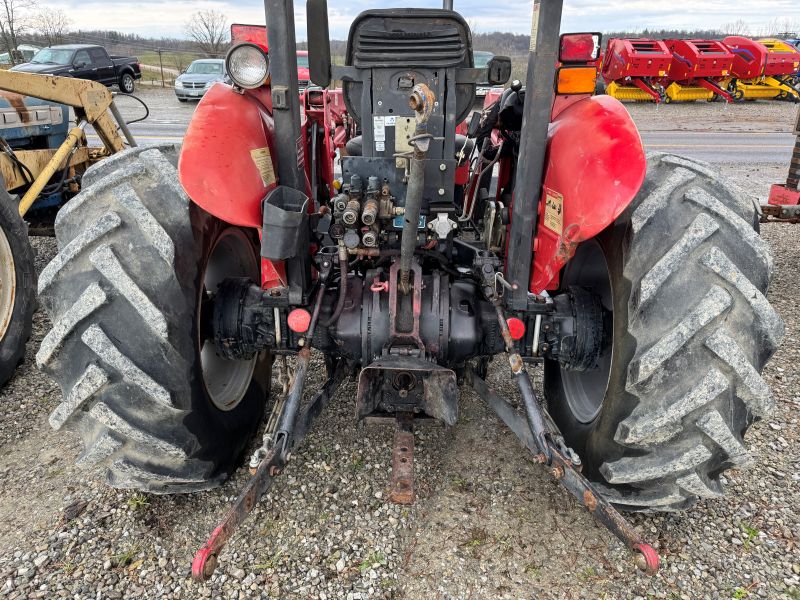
column 42, row 161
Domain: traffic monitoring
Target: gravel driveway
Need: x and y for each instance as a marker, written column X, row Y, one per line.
column 488, row 523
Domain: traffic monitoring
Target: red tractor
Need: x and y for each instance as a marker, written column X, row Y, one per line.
column 186, row 275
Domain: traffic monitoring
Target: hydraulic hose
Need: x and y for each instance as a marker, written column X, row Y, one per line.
column 344, row 267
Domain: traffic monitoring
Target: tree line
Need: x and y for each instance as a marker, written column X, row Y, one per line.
column 207, row 32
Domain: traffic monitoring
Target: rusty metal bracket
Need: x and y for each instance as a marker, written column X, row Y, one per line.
column 401, row 487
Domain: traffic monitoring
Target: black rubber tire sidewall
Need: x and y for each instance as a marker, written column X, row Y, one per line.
column 575, row 432
column 12, row 345
column 219, row 430
column 127, row 83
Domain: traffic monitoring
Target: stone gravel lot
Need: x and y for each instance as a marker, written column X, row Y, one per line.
column 488, row 523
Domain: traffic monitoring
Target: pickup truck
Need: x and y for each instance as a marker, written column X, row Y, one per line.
column 84, row 61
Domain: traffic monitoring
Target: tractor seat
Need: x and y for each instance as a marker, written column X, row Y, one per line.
column 355, row 146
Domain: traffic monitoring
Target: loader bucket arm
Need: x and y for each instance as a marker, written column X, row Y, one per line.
column 91, row 101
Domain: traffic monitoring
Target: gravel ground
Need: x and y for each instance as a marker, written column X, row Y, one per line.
column 761, row 117
column 487, row 523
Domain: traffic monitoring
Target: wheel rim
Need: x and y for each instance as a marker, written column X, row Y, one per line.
column 127, row 83
column 8, row 283
column 226, row 381
column 585, row 390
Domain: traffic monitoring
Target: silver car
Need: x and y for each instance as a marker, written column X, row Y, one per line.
column 199, row 77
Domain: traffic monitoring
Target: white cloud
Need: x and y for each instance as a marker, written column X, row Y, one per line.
column 166, row 18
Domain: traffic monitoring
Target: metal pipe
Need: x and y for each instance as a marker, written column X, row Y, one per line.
column 294, row 397
column 408, row 242
column 537, row 327
column 422, row 101
column 447, row 4
column 75, row 136
column 533, row 412
column 538, row 106
column 123, row 126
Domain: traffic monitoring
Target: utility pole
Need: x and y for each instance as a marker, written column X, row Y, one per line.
column 161, row 64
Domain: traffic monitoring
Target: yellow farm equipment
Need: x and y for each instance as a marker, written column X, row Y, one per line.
column 42, row 162
column 763, row 69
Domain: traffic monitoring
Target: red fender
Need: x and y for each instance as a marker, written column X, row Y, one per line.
column 595, row 167
column 226, row 163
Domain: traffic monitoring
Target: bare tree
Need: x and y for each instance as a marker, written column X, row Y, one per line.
column 209, row 30
column 15, row 18
column 739, row 27
column 52, row 24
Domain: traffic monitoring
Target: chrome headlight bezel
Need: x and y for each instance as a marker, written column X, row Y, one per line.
column 259, row 63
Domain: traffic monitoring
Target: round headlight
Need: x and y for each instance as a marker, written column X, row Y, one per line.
column 248, row 65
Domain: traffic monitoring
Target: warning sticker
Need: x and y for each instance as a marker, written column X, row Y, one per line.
column 534, row 26
column 380, row 146
column 379, row 128
column 390, row 121
column 554, row 211
column 263, row 161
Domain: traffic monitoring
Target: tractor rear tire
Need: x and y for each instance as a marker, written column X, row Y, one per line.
column 155, row 406
column 685, row 274
column 17, row 287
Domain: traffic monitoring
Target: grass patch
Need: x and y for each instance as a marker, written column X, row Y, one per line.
column 376, row 559
column 171, row 60
column 124, row 558
column 752, row 533
column 460, row 484
column 137, row 501
column 533, row 570
column 269, row 563
column 477, row 538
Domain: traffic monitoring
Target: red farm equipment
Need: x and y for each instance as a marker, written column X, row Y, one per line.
column 784, row 199
column 633, row 68
column 763, row 69
column 698, row 67
column 544, row 235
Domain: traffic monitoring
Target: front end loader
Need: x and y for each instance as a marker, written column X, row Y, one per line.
column 42, row 160
column 544, row 236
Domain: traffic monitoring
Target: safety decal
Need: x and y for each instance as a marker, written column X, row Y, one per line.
column 263, row 161
column 553, row 211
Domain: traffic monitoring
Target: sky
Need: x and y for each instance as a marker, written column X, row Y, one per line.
column 166, row 18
